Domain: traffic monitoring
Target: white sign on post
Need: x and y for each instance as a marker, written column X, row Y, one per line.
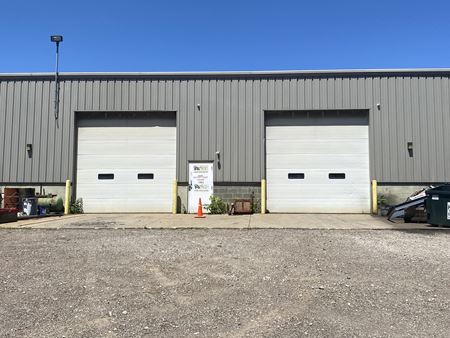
column 201, row 184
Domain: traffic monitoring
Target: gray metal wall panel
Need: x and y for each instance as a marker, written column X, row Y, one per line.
column 211, row 105
column 230, row 120
column 6, row 152
column 18, row 162
column 446, row 121
column 439, row 135
column 15, row 130
column 3, row 110
column 204, row 120
column 36, row 132
column 29, row 118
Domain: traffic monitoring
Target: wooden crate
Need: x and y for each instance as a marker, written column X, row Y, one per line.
column 242, row 206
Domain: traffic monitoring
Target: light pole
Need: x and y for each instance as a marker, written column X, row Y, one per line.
column 57, row 39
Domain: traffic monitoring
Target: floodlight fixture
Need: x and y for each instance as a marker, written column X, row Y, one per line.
column 56, row 38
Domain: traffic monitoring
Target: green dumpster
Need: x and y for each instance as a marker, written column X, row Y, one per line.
column 438, row 205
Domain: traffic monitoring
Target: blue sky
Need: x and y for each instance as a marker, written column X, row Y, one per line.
column 200, row 35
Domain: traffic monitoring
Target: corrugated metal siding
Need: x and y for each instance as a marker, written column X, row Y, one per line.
column 230, row 119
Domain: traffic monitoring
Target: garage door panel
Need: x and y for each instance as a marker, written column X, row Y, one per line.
column 123, row 191
column 311, row 154
column 324, row 190
column 126, row 162
column 164, row 191
column 126, row 152
column 320, row 206
column 316, row 132
column 277, row 147
column 103, row 191
column 311, row 190
column 127, row 175
column 318, row 161
column 106, row 134
column 119, row 205
column 149, row 205
column 157, row 147
column 315, row 176
column 122, row 187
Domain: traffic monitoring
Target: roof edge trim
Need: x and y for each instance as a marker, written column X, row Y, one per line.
column 300, row 73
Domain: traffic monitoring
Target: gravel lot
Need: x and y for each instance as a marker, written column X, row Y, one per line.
column 206, row 283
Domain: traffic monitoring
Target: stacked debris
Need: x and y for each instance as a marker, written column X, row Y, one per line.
column 413, row 210
column 8, row 215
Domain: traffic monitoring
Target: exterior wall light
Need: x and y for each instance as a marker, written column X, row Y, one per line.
column 29, row 150
column 410, row 149
column 219, row 165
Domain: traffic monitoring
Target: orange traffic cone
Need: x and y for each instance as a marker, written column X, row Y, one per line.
column 200, row 209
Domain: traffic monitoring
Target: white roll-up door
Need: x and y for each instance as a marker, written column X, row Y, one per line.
column 126, row 169
column 318, row 169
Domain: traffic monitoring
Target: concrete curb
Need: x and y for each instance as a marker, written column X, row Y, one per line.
column 408, row 228
column 352, row 222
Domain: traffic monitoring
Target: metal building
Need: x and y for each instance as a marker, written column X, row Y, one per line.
column 317, row 137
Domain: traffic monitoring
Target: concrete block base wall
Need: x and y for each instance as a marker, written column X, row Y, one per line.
column 396, row 194
column 182, row 199
column 228, row 193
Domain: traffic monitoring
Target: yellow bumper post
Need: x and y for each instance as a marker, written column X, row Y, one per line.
column 374, row 197
column 263, row 196
column 67, row 198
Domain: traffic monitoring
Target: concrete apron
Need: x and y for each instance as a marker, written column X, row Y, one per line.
column 182, row 221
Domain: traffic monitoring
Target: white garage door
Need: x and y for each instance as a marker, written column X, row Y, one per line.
column 318, row 169
column 126, row 169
